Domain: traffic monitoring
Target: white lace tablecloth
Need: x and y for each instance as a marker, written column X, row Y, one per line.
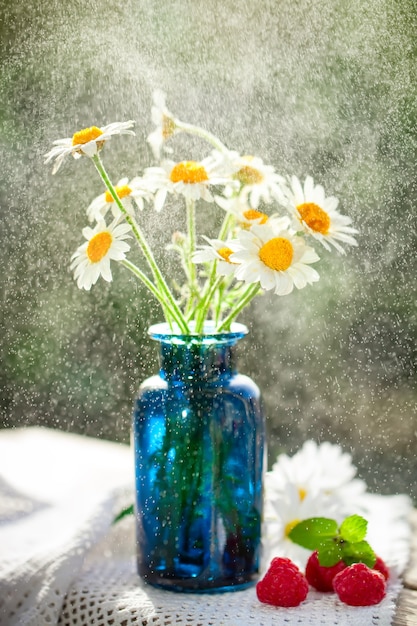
column 61, row 561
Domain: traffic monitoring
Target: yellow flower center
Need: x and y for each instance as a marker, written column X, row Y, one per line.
column 225, row 253
column 277, row 254
column 317, row 219
column 98, row 246
column 86, row 135
column 302, row 493
column 189, row 172
column 288, row 527
column 122, row 192
column 253, row 214
column 248, row 175
column 168, row 127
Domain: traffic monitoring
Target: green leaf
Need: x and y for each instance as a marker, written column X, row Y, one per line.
column 129, row 510
column 358, row 552
column 313, row 532
column 353, row 528
column 329, row 553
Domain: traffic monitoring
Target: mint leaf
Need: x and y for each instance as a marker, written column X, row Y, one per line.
column 358, row 552
column 353, row 528
column 334, row 544
column 314, row 532
column 329, row 553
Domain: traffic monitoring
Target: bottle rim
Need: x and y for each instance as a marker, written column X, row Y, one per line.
column 163, row 332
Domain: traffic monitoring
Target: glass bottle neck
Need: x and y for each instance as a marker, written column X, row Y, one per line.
column 191, row 363
column 190, row 358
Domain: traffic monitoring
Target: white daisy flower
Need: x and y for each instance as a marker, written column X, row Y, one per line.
column 273, row 256
column 219, row 251
column 320, row 469
column 164, row 121
column 258, row 182
column 86, row 142
column 190, row 178
column 318, row 215
column 243, row 212
column 131, row 194
column 281, row 513
column 92, row 258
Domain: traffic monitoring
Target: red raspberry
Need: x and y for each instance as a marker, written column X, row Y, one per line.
column 320, row 577
column 358, row 585
column 283, row 584
column 381, row 567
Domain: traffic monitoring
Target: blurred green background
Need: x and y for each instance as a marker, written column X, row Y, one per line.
column 322, row 88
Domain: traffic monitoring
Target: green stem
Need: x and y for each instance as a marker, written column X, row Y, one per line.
column 169, row 312
column 191, row 269
column 160, row 281
column 225, row 227
column 249, row 294
column 218, row 304
column 206, row 301
column 204, row 134
column 212, row 283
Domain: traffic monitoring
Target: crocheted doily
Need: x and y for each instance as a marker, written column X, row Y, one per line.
column 62, row 562
column 109, row 591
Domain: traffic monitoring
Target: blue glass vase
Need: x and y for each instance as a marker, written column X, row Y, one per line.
column 198, row 435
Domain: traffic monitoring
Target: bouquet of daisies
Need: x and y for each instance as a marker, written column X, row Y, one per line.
column 262, row 244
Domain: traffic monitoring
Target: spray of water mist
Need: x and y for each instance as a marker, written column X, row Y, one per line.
column 328, row 90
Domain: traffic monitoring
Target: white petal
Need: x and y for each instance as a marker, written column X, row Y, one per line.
column 308, row 187
column 160, row 198
column 249, row 272
column 309, row 256
column 309, row 273
column 121, row 229
column 284, row 284
column 298, row 278
column 58, row 163
column 66, row 142
column 94, row 272
column 90, row 148
column 298, row 190
column 330, row 204
column 318, row 195
column 116, row 128
column 106, row 273
column 267, row 279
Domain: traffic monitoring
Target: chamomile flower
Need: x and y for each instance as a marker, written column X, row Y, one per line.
column 257, row 181
column 281, row 514
column 320, row 469
column 86, row 142
column 92, row 258
column 245, row 215
column 189, row 178
column 219, row 251
column 318, row 215
column 131, row 194
column 165, row 124
column 273, row 256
